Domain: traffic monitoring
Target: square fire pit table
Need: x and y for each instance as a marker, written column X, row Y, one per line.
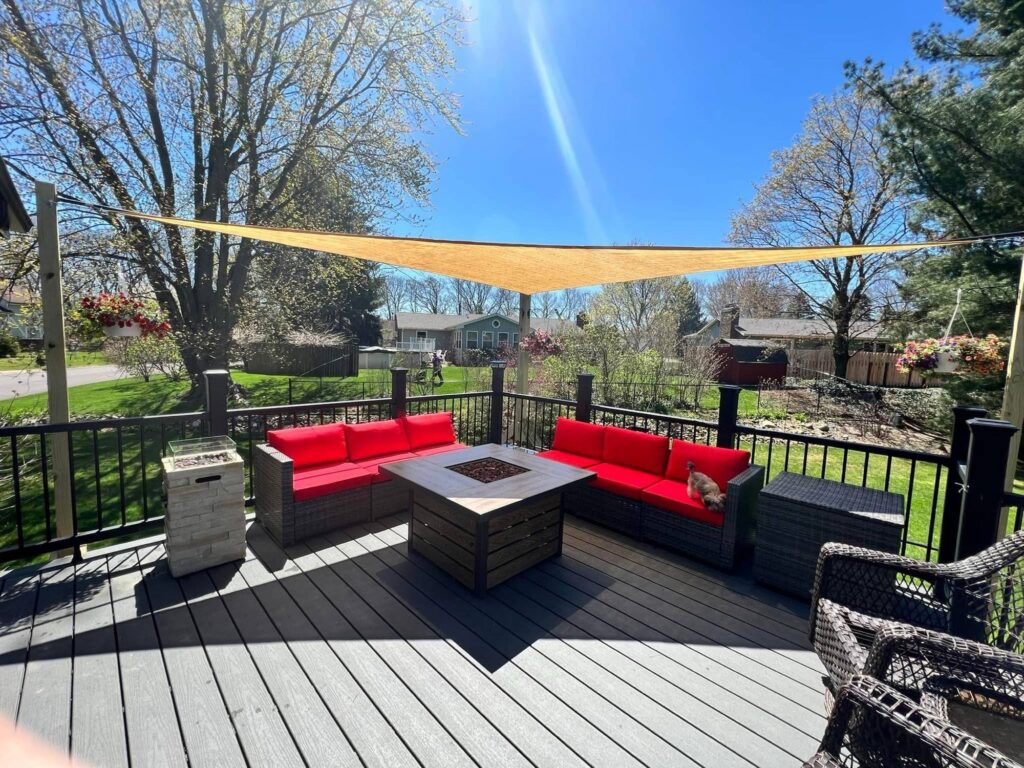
column 486, row 513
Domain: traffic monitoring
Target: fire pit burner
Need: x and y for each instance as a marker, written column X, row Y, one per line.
column 202, row 460
column 488, row 470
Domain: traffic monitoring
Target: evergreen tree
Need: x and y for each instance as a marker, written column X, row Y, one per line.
column 689, row 316
column 954, row 132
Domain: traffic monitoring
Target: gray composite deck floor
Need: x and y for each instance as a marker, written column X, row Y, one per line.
column 343, row 651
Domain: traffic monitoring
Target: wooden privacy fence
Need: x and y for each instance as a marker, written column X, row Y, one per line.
column 874, row 368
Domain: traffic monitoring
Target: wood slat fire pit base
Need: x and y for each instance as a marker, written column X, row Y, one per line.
column 497, row 513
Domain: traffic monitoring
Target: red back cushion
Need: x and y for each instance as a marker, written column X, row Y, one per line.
column 375, row 438
column 307, row 446
column 429, row 429
column 579, row 437
column 638, row 450
column 720, row 464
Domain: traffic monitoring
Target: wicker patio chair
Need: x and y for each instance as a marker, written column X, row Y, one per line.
column 857, row 591
column 875, row 726
column 978, row 687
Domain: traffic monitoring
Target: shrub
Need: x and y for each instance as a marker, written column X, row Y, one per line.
column 8, row 344
column 147, row 355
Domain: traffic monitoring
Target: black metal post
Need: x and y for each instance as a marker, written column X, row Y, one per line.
column 958, row 446
column 399, row 385
column 497, row 401
column 728, row 414
column 584, row 395
column 981, row 512
column 217, row 401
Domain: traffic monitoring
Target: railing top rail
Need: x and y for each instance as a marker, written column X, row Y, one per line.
column 271, row 410
column 540, row 399
column 451, row 396
column 831, row 442
column 112, row 423
column 649, row 415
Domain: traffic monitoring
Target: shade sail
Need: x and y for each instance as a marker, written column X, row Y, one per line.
column 536, row 268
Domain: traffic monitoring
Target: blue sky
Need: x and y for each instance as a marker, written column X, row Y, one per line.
column 599, row 122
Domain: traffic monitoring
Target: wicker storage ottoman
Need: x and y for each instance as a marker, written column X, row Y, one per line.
column 796, row 515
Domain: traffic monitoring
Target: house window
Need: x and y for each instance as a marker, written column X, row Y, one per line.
column 421, row 334
column 488, row 340
column 502, row 339
column 458, row 339
column 496, row 323
column 515, row 339
column 471, row 340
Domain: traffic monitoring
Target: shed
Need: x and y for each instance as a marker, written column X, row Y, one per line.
column 751, row 361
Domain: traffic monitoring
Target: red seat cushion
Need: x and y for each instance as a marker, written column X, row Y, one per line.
column 439, row 449
column 322, row 479
column 373, row 465
column 307, row 446
column 569, row 458
column 625, row 481
column 428, row 429
column 671, row 495
column 720, row 464
column 637, row 450
column 375, row 438
column 579, row 437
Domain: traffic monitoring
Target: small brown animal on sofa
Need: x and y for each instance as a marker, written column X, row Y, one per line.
column 702, row 487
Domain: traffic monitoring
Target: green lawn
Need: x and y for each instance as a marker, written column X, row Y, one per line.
column 27, row 360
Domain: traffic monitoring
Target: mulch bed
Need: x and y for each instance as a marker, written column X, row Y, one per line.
column 488, row 470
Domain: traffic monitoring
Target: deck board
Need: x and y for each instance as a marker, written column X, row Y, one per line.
column 346, row 650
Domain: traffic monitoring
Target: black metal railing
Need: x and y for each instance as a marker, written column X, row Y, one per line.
column 116, row 486
column 115, row 463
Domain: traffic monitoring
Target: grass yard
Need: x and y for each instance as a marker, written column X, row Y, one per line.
column 27, row 360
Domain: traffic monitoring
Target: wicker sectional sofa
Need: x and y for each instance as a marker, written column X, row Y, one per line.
column 310, row 480
column 641, row 488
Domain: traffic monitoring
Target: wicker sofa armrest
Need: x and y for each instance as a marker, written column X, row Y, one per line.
column 872, row 724
column 741, row 504
column 908, row 657
column 272, row 484
column 880, row 584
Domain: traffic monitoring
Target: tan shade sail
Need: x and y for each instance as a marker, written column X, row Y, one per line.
column 536, row 268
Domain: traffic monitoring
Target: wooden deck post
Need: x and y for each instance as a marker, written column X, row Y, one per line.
column 959, row 444
column 728, row 413
column 1013, row 389
column 494, row 429
column 216, row 381
column 55, row 349
column 399, row 385
column 584, row 395
column 981, row 515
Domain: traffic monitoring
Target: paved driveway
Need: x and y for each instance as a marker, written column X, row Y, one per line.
column 21, row 383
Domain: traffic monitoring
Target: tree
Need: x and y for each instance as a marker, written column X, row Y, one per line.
column 689, row 317
column 471, row 298
column 397, row 291
column 431, row 295
column 757, row 291
column 836, row 185
column 646, row 313
column 952, row 130
column 205, row 109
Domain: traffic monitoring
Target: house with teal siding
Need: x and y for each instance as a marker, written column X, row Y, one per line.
column 419, row 331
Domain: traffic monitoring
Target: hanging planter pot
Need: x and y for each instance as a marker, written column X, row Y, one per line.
column 946, row 362
column 121, row 317
column 132, row 331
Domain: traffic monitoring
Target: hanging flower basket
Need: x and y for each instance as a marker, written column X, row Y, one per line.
column 120, row 316
column 953, row 354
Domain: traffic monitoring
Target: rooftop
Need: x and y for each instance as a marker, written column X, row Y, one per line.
column 343, row 651
column 426, row 321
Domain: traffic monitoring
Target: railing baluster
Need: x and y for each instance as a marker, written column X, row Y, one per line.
column 44, row 470
column 97, row 477
column 16, row 477
column 120, row 475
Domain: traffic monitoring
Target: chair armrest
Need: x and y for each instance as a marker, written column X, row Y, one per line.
column 908, row 657
column 879, row 726
column 741, row 503
column 880, row 584
column 272, row 480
